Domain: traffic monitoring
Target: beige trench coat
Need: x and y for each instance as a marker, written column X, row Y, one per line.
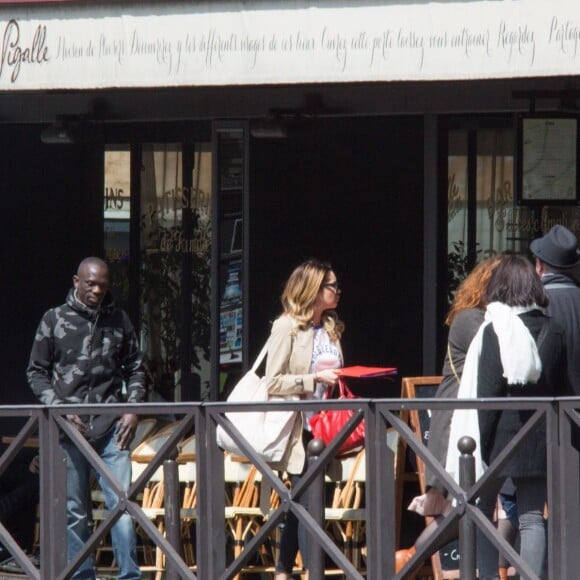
column 288, row 375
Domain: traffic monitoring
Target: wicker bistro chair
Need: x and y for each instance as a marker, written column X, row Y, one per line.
column 153, row 493
column 186, row 465
column 145, row 428
column 188, row 515
column 244, row 515
column 345, row 519
column 152, row 502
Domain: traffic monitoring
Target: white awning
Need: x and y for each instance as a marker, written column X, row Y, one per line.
column 73, row 46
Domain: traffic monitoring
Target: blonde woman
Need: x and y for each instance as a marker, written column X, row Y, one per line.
column 304, row 353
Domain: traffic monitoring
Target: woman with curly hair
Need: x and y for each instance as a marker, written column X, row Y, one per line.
column 464, row 319
column 304, row 353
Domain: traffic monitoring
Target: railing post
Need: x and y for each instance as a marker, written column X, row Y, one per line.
column 172, row 512
column 209, row 468
column 53, row 497
column 467, row 564
column 562, row 464
column 380, row 492
column 315, row 492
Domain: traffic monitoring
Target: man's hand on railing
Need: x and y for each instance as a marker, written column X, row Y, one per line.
column 78, row 423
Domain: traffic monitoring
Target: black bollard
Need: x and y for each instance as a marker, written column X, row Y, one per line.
column 315, row 560
column 281, row 528
column 467, row 563
column 172, row 512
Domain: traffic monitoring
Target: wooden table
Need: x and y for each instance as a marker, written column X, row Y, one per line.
column 31, row 442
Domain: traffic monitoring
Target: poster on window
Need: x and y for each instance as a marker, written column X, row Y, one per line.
column 549, row 152
column 231, row 319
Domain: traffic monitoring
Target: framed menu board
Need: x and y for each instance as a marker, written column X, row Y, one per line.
column 547, row 160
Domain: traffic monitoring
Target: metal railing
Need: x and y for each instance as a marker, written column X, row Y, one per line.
column 560, row 417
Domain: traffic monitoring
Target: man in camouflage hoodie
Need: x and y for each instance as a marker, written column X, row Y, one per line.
column 83, row 352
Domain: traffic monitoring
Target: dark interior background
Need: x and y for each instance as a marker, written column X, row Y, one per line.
column 52, row 196
column 346, row 191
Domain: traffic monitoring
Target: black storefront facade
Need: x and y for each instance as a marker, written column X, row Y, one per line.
column 204, row 196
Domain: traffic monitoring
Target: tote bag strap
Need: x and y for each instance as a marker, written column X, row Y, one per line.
column 450, row 357
column 344, row 391
column 261, row 356
column 264, row 352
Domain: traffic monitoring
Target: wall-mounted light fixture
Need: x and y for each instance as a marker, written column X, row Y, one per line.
column 268, row 128
column 59, row 133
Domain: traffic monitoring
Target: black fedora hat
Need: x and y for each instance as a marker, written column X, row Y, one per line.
column 557, row 248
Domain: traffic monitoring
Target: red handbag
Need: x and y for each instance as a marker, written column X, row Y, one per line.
column 326, row 424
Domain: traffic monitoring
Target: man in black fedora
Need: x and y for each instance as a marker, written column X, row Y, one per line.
column 556, row 256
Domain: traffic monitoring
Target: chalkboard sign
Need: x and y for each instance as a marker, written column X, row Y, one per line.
column 445, row 563
column 427, row 392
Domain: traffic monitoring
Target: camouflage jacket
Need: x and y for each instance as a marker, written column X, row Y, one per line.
column 83, row 355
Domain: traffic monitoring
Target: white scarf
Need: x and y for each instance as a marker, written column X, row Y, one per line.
column 521, row 364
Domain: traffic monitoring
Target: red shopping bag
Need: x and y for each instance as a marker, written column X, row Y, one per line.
column 326, row 424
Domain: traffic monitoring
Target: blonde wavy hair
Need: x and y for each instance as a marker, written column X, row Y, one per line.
column 299, row 296
column 470, row 293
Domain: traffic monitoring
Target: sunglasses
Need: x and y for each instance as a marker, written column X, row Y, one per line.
column 334, row 285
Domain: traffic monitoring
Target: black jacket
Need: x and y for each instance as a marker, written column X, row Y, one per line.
column 83, row 355
column 498, row 428
column 564, row 307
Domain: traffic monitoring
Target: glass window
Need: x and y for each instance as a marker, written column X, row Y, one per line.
column 495, row 193
column 500, row 225
column 117, row 214
column 174, row 201
column 456, row 209
column 175, row 259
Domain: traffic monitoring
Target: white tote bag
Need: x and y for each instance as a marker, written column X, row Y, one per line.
column 267, row 432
